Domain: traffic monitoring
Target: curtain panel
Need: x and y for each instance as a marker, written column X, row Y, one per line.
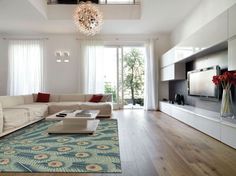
column 25, row 65
column 151, row 77
column 91, row 64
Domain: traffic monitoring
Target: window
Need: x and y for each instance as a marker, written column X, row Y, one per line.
column 25, row 66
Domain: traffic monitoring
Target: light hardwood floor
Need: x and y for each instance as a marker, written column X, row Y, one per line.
column 153, row 144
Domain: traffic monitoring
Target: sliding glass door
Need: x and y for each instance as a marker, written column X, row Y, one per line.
column 124, row 75
column 111, row 73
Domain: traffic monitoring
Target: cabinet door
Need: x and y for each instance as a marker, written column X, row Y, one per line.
column 173, row 72
column 232, row 24
column 168, row 58
column 232, row 54
column 182, row 116
column 168, row 73
column 166, row 108
column 228, row 135
column 210, row 127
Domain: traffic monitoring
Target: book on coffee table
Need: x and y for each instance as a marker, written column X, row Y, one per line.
column 84, row 113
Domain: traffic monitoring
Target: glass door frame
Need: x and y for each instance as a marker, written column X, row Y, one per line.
column 120, row 58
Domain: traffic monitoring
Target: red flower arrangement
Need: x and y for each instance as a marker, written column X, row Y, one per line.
column 226, row 80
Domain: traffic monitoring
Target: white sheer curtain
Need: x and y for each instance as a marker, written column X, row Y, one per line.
column 91, row 79
column 151, row 77
column 25, row 66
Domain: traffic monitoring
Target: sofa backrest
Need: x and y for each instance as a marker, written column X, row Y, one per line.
column 72, row 97
column 84, row 97
column 28, row 99
column 106, row 97
column 9, row 101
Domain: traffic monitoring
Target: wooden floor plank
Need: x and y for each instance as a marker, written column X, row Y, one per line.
column 154, row 144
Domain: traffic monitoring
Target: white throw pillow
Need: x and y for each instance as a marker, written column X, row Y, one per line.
column 1, row 119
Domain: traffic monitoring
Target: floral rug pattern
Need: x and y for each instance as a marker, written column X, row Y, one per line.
column 32, row 149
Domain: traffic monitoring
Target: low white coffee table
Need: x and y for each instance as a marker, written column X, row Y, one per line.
column 74, row 124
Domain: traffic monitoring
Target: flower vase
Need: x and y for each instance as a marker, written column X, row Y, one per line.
column 226, row 104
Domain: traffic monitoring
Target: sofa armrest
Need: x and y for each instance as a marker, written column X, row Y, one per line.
column 108, row 97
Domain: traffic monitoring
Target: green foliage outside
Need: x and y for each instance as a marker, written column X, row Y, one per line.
column 110, row 90
column 134, row 75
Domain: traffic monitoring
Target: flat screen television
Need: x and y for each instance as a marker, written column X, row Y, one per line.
column 200, row 82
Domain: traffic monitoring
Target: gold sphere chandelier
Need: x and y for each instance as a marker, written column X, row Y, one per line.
column 88, row 18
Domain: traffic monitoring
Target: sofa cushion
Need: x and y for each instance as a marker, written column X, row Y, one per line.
column 96, row 98
column 59, row 106
column 53, row 98
column 104, row 108
column 9, row 101
column 72, row 97
column 1, row 119
column 105, row 98
column 43, row 97
column 36, row 110
column 14, row 118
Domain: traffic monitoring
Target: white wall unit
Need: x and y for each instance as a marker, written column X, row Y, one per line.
column 207, row 126
column 208, row 122
column 208, row 36
column 232, row 39
column 168, row 73
column 232, row 54
column 232, row 24
column 168, row 58
column 173, row 72
column 228, row 134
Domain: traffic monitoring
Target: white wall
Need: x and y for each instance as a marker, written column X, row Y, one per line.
column 63, row 77
column 206, row 11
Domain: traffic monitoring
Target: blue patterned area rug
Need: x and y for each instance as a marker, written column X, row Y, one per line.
column 33, row 150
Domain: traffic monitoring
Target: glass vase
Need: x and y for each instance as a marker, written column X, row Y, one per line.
column 227, row 104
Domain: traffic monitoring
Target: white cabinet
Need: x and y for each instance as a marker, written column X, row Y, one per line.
column 168, row 58
column 211, row 34
column 232, row 54
column 173, row 72
column 228, row 134
column 232, row 24
column 205, row 121
column 210, row 127
column 166, row 108
column 168, row 73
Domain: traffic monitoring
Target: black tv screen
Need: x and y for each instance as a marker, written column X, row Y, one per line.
column 200, row 82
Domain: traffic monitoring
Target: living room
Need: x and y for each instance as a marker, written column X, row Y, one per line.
column 117, row 87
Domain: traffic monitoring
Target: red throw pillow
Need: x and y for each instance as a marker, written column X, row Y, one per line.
column 96, row 98
column 43, row 97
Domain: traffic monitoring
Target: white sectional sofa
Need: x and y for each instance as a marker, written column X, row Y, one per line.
column 19, row 111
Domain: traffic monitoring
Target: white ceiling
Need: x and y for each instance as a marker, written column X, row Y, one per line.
column 158, row 16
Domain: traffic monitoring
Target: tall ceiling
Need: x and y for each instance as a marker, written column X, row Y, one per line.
column 30, row 17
